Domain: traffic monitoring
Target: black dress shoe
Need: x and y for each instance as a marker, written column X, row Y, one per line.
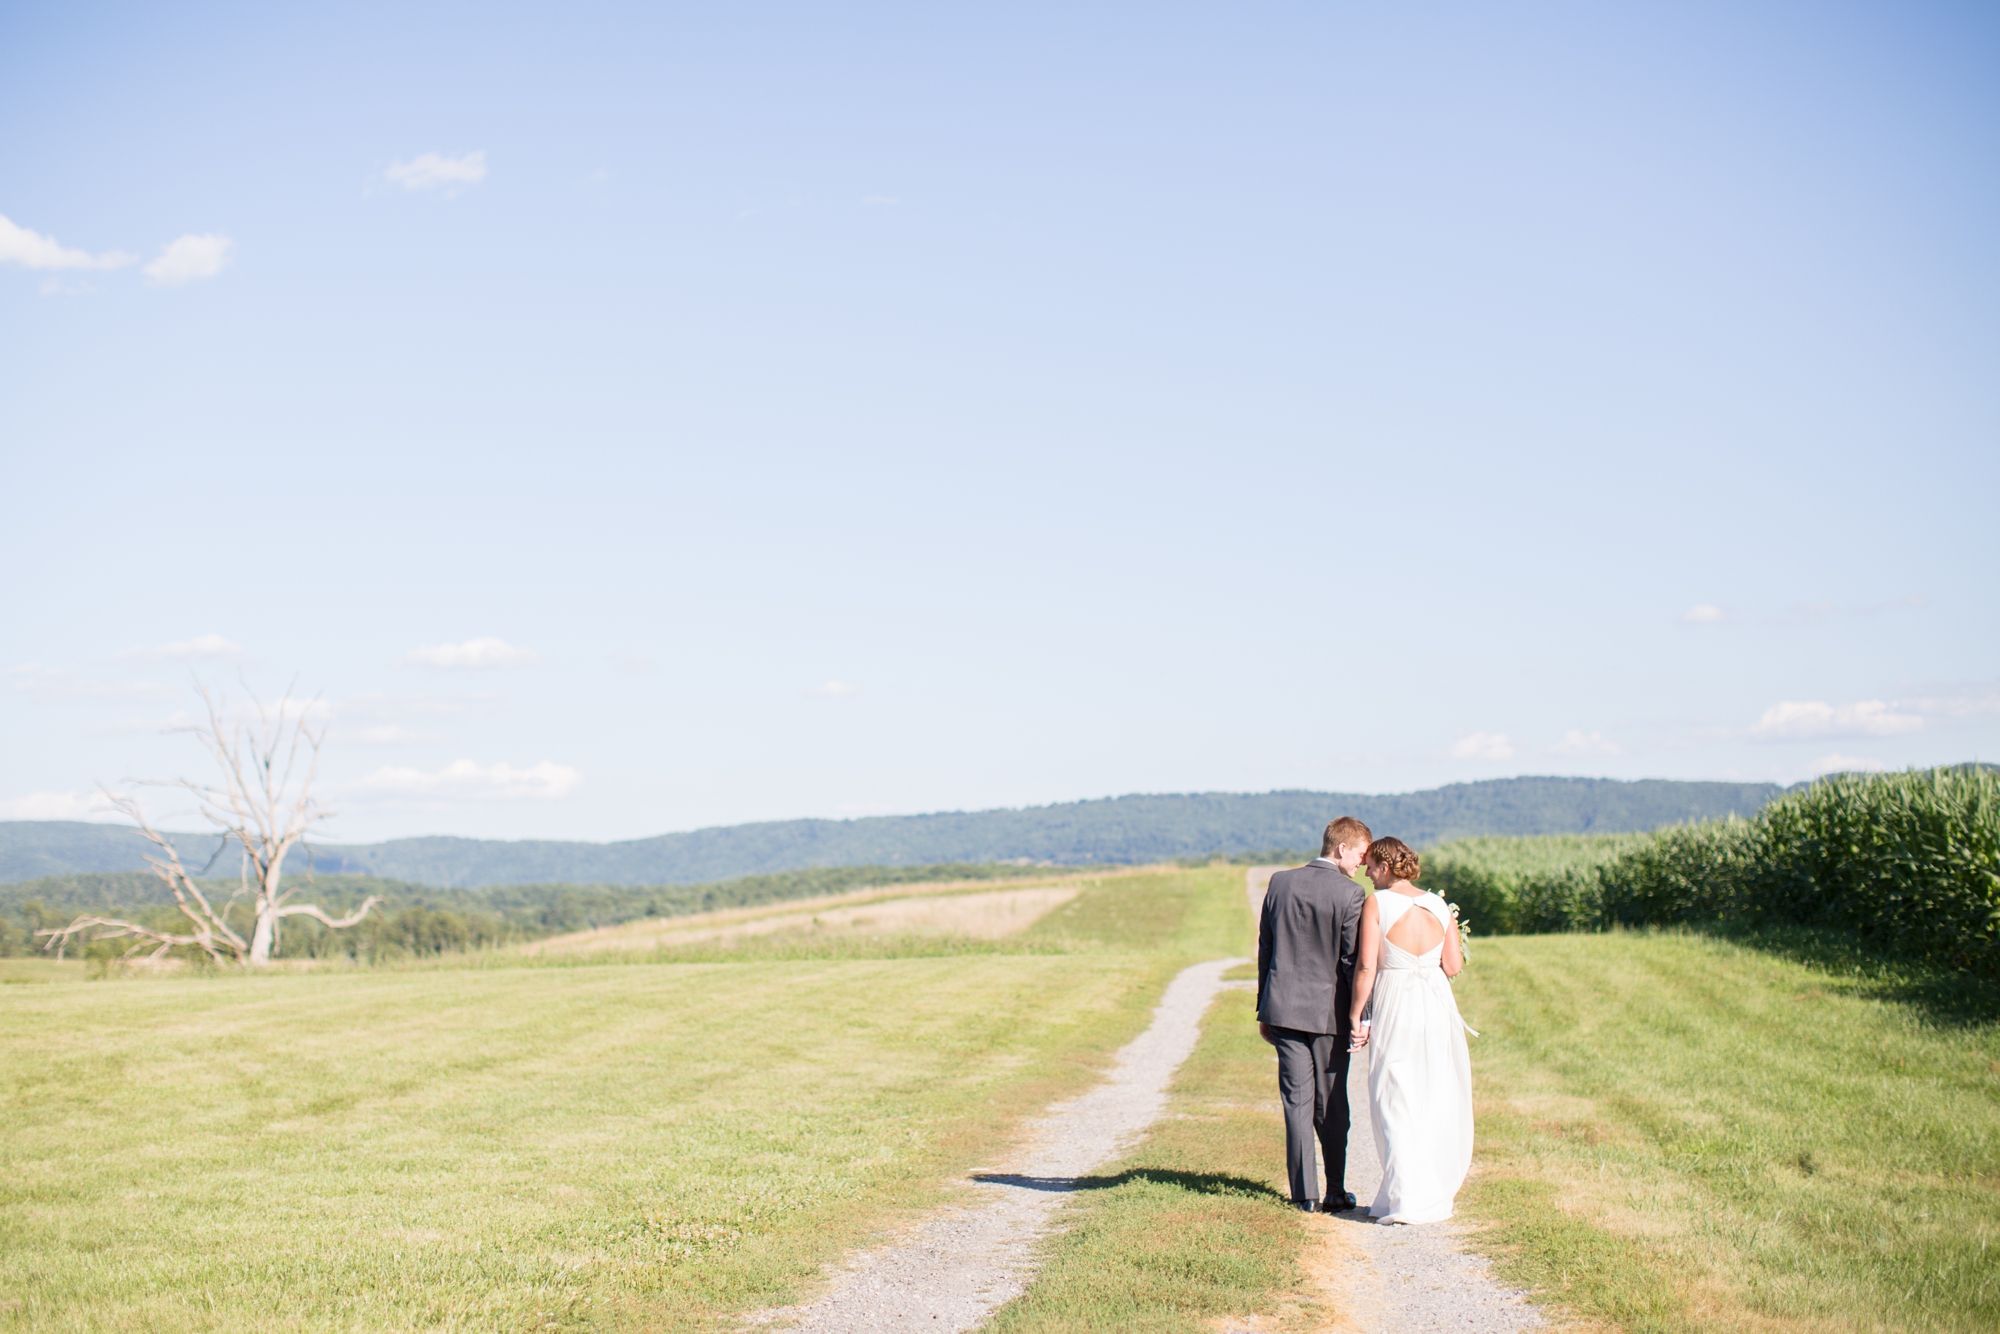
column 1339, row 1204
column 1305, row 1206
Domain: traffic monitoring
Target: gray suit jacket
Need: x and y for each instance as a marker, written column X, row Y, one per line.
column 1306, row 942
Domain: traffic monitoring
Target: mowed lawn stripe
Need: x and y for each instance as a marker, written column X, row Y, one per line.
column 1679, row 1133
column 616, row 1146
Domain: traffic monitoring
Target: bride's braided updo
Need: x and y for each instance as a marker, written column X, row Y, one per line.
column 1396, row 857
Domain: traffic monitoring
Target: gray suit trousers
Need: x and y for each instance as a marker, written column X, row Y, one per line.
column 1312, row 1081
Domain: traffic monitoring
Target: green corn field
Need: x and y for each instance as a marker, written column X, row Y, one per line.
column 1906, row 863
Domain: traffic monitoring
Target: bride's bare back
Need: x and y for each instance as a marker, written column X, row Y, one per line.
column 1413, row 931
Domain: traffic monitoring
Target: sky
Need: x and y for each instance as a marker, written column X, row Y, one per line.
column 607, row 420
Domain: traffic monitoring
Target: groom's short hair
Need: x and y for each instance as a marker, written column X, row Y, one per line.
column 1346, row 830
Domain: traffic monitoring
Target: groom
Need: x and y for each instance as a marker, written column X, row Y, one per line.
column 1306, row 941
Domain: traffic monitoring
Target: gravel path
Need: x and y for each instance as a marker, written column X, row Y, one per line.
column 1411, row 1280
column 962, row 1264
column 1398, row 1280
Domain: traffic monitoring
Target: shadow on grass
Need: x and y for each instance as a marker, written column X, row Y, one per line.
column 1196, row 1183
column 1946, row 996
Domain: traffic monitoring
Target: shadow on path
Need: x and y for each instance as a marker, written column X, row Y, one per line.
column 1198, row 1183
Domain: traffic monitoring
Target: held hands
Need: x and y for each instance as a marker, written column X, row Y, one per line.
column 1359, row 1037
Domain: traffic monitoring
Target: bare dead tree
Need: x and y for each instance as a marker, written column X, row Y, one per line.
column 264, row 804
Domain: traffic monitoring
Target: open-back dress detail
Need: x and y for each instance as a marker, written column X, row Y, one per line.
column 1419, row 1073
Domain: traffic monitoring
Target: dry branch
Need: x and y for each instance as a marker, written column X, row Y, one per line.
column 258, row 807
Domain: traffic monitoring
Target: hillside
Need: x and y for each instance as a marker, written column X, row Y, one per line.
column 519, row 910
column 1130, row 830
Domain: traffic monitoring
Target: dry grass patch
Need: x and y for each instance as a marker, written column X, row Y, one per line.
column 971, row 910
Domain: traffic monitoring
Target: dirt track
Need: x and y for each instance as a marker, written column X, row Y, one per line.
column 959, row 1267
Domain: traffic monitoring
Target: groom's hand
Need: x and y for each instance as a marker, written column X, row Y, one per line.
column 1264, row 1032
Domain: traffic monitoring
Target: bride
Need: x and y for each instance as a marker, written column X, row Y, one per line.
column 1419, row 1072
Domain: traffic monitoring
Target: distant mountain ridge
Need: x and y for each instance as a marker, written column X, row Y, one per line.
column 1130, row 830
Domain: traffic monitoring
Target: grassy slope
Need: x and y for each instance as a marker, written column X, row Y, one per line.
column 624, row 1146
column 1677, row 1133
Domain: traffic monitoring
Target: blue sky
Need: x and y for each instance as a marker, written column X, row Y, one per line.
column 626, row 419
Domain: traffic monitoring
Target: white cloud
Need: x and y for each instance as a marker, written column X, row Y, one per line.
column 390, row 734
column 1794, row 720
column 32, row 250
column 832, row 689
column 1703, row 614
column 189, row 257
column 59, row 806
column 1483, row 746
column 427, row 171
column 1845, row 764
column 464, row 780
column 201, row 646
column 1578, row 742
column 473, row 653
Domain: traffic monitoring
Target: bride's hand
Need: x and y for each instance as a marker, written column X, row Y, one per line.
column 1358, row 1038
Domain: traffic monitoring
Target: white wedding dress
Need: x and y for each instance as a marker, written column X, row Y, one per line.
column 1419, row 1074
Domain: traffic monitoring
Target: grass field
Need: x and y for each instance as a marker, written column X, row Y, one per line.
column 1679, row 1133
column 1676, row 1133
column 597, row 1147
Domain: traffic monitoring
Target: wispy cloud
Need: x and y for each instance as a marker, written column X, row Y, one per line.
column 1976, row 699
column 379, row 706
column 1845, row 764
column 59, row 683
column 1794, row 615
column 32, row 250
column 187, row 258
column 1797, row 720
column 465, row 780
column 429, row 171
column 1576, row 741
column 59, row 806
column 1483, row 746
column 472, row 654
column 831, row 689
column 389, row 734
column 201, row 646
